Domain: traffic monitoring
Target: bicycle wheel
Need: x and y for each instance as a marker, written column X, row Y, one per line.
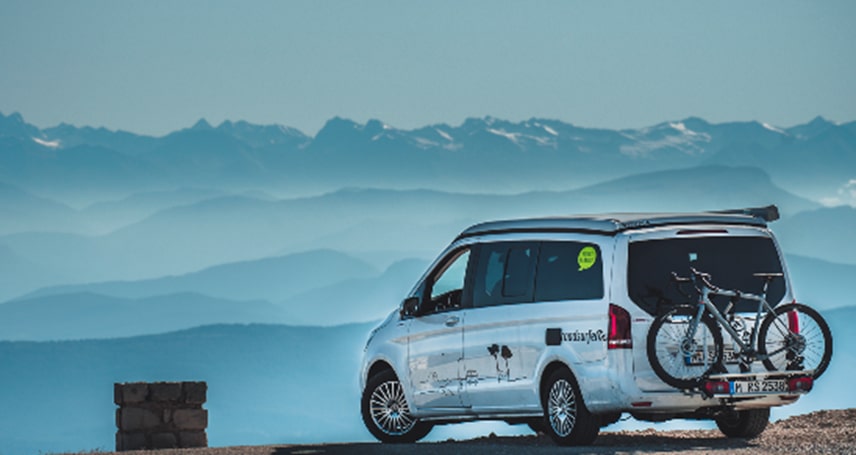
column 678, row 359
column 796, row 338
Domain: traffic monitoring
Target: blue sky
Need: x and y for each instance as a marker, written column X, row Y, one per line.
column 156, row 66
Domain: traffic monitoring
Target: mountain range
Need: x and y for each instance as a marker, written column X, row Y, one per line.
column 481, row 154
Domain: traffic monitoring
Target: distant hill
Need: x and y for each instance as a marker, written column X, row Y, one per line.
column 825, row 233
column 19, row 275
column 272, row 279
column 693, row 189
column 107, row 216
column 356, row 300
column 822, row 284
column 92, row 316
column 23, row 212
column 238, row 228
column 322, row 288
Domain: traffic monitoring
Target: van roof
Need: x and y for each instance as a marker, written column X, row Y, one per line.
column 614, row 223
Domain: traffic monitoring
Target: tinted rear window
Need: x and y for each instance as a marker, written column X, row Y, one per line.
column 730, row 261
column 569, row 271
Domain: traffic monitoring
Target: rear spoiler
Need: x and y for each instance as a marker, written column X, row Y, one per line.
column 768, row 213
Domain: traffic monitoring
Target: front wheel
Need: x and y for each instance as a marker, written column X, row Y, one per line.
column 386, row 413
column 795, row 337
column 679, row 358
column 566, row 418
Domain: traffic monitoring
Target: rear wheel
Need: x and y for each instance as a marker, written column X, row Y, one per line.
column 536, row 425
column 679, row 359
column 608, row 419
column 566, row 418
column 386, row 413
column 744, row 424
column 796, row 338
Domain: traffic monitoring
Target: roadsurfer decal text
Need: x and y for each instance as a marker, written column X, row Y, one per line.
column 579, row 336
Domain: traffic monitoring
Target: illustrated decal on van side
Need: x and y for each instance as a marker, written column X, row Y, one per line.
column 506, row 354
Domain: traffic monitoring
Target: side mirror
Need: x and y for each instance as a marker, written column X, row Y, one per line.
column 410, row 306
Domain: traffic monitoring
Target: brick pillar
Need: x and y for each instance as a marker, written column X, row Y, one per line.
column 160, row 415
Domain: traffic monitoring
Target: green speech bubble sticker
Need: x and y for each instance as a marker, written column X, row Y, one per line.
column 587, row 258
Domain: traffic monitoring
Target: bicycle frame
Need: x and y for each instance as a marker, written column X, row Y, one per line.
column 747, row 350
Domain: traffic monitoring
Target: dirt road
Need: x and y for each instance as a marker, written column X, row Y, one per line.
column 820, row 432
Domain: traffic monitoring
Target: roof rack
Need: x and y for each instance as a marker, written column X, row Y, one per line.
column 613, row 223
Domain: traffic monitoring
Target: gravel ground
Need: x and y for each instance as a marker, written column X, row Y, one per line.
column 820, row 432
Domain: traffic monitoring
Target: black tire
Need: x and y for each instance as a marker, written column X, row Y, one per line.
column 810, row 348
column 670, row 354
column 744, row 424
column 386, row 413
column 536, row 425
column 566, row 418
column 608, row 419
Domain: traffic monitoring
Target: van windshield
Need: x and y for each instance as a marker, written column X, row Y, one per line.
column 730, row 261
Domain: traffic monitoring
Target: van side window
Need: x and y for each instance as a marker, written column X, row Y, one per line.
column 569, row 271
column 506, row 273
column 447, row 288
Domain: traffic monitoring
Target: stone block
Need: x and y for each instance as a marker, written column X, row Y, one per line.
column 190, row 419
column 160, row 415
column 192, row 439
column 130, row 441
column 195, row 392
column 164, row 441
column 134, row 392
column 138, row 419
column 165, row 391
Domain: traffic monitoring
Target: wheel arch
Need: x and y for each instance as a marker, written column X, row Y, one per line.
column 378, row 366
column 551, row 368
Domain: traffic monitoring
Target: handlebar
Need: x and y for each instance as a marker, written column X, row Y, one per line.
column 696, row 276
column 679, row 279
column 704, row 279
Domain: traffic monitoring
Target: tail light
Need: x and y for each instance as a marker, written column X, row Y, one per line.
column 619, row 328
column 793, row 322
column 801, row 384
column 717, row 387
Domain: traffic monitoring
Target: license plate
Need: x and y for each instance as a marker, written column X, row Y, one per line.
column 761, row 386
column 698, row 358
column 729, row 357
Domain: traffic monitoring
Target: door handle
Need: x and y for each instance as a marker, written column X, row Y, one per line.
column 452, row 321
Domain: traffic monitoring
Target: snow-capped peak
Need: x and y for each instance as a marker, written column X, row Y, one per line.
column 510, row 136
column 444, row 134
column 680, row 127
column 772, row 128
column 51, row 144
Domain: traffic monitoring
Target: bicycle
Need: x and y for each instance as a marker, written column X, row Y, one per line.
column 685, row 343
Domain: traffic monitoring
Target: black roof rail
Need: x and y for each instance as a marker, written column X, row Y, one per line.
column 613, row 223
column 769, row 213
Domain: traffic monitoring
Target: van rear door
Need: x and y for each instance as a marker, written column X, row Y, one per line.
column 730, row 254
